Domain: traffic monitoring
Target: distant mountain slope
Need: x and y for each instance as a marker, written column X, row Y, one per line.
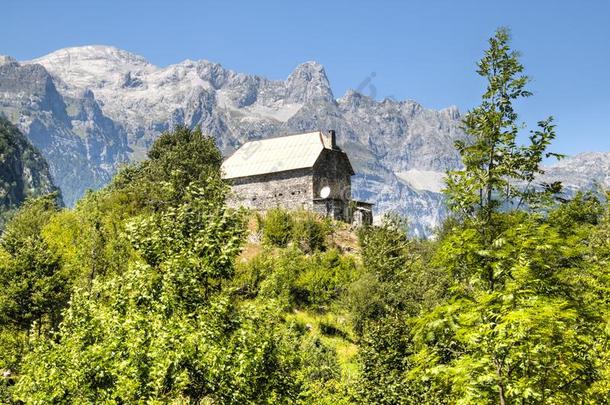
column 88, row 109
column 585, row 171
column 23, row 171
column 82, row 146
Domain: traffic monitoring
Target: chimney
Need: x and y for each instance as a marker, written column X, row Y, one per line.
column 333, row 139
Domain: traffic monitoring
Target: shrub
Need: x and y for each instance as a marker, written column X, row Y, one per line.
column 364, row 300
column 249, row 276
column 281, row 282
column 323, row 279
column 385, row 248
column 299, row 280
column 277, row 227
column 309, row 232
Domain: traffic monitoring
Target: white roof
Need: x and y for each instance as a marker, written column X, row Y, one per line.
column 275, row 155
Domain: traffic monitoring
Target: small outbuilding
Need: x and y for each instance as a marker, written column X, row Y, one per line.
column 304, row 171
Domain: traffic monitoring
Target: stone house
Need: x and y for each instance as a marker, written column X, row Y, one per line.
column 304, row 171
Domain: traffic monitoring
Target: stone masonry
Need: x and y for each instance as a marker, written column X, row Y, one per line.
column 305, row 171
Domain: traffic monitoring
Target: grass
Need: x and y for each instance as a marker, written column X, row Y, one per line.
column 342, row 343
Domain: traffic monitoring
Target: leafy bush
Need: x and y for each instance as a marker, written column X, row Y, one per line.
column 304, row 281
column 277, row 227
column 163, row 329
column 325, row 276
column 384, row 354
column 364, row 300
column 281, row 282
column 385, row 248
column 309, row 232
column 33, row 286
column 305, row 229
column 249, row 275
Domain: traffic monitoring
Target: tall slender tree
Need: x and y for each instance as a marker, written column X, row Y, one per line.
column 497, row 171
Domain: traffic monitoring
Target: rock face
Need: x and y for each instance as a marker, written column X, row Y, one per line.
column 88, row 109
column 82, row 145
column 585, row 171
column 23, row 171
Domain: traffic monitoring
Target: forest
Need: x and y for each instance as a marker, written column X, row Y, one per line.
column 152, row 290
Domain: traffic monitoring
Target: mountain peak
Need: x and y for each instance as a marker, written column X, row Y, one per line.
column 308, row 82
column 93, row 53
column 453, row 112
column 92, row 66
column 4, row 59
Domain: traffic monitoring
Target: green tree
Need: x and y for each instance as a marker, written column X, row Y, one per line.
column 515, row 328
column 277, row 227
column 32, row 286
column 177, row 158
column 395, row 279
column 309, row 231
column 497, row 171
column 163, row 330
column 529, row 339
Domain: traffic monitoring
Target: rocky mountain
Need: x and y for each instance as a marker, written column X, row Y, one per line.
column 82, row 145
column 89, row 109
column 23, row 171
column 585, row 171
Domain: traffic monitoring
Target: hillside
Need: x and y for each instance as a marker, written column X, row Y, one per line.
column 153, row 289
column 23, row 171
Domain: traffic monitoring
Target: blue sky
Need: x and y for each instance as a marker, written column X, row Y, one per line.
column 420, row 50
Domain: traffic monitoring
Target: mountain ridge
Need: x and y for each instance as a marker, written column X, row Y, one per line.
column 130, row 101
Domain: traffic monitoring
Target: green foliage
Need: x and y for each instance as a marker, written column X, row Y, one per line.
column 306, row 281
column 385, row 352
column 528, row 339
column 385, row 248
column 320, row 373
column 176, row 159
column 277, row 227
column 163, row 330
column 324, row 277
column 305, row 229
column 364, row 300
column 395, row 278
column 497, row 172
column 310, row 232
column 34, row 289
column 249, row 275
column 582, row 209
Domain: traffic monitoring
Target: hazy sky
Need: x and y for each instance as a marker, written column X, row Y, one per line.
column 420, row 50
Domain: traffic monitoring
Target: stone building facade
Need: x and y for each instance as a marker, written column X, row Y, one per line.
column 304, row 171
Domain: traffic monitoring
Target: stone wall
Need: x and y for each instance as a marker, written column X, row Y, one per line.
column 300, row 189
column 290, row 189
column 332, row 169
column 331, row 208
